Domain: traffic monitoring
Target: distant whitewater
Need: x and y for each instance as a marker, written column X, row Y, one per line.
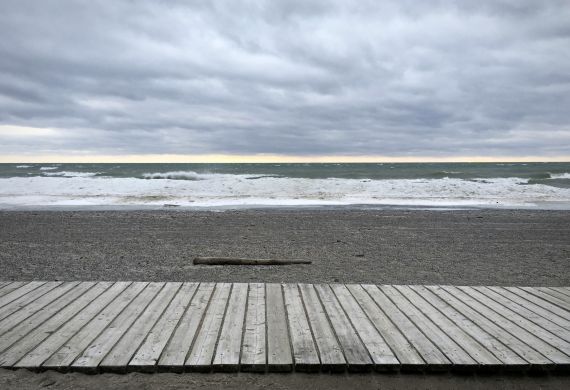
column 508, row 185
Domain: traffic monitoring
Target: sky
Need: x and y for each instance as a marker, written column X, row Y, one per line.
column 284, row 80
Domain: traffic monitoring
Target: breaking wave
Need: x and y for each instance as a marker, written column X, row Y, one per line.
column 177, row 175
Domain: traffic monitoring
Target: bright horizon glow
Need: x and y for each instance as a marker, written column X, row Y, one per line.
column 263, row 158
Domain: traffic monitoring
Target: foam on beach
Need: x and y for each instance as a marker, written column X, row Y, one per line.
column 216, row 190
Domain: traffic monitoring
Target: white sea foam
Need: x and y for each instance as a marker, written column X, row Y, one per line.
column 238, row 190
column 24, row 166
column 177, row 175
column 560, row 175
column 47, row 168
column 71, row 174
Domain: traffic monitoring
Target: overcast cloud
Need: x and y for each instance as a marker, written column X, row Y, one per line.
column 398, row 78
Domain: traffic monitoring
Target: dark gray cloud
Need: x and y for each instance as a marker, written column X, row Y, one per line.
column 397, row 78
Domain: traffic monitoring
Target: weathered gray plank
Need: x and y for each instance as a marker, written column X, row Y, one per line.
column 73, row 347
column 469, row 325
column 305, row 353
column 202, row 353
column 228, row 351
column 177, row 349
column 555, row 293
column 9, row 287
column 119, row 356
column 279, row 355
column 549, row 321
column 404, row 351
column 561, row 303
column 509, row 340
column 93, row 354
column 429, row 352
column 470, row 345
column 522, row 322
column 562, row 290
column 147, row 356
column 381, row 354
column 330, row 351
column 66, row 323
column 253, row 354
column 447, row 345
column 21, row 290
column 545, row 301
column 26, row 299
column 522, row 334
column 532, row 307
column 33, row 307
column 12, row 334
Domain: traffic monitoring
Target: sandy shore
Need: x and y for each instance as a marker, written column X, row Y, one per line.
column 406, row 247
column 487, row 247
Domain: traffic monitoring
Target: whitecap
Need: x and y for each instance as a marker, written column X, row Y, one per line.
column 177, row 175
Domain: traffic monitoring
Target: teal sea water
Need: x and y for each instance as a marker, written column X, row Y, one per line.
column 213, row 185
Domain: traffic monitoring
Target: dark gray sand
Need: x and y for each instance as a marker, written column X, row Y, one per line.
column 23, row 380
column 405, row 247
column 478, row 247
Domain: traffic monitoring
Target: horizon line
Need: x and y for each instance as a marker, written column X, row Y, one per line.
column 264, row 158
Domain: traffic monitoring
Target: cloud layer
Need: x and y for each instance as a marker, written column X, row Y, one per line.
column 397, row 78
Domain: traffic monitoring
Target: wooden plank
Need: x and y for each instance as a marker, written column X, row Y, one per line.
column 491, row 343
column 445, row 343
column 74, row 347
column 461, row 305
column 330, row 351
column 522, row 334
column 554, row 293
column 524, row 323
column 228, row 350
column 562, row 290
column 177, row 349
column 21, row 290
column 305, row 353
column 151, row 349
column 66, row 323
column 279, row 355
column 33, row 307
column 12, row 334
column 253, row 354
column 404, row 351
column 429, row 352
column 532, row 306
column 355, row 351
column 381, row 354
column 202, row 353
column 462, row 338
column 545, row 301
column 119, row 356
column 549, row 321
column 9, row 287
column 26, row 299
column 96, row 351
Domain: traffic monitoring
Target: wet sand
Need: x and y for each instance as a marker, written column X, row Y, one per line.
column 397, row 247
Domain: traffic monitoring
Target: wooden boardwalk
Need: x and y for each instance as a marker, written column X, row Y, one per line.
column 141, row 326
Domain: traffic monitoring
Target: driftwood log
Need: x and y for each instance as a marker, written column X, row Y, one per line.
column 239, row 261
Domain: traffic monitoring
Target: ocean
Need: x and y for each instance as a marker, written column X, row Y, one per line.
column 377, row 185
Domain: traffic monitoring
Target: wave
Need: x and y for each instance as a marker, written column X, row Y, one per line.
column 177, row 175
column 71, row 174
column 560, row 175
column 24, row 166
column 48, row 168
column 80, row 188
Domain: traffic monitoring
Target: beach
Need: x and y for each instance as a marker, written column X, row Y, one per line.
column 460, row 247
